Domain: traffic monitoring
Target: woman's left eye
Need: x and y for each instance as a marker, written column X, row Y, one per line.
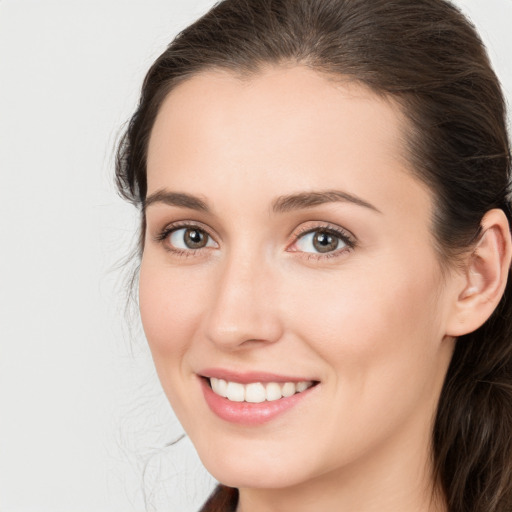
column 322, row 241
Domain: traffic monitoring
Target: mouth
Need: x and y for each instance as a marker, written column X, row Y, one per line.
column 253, row 398
column 257, row 392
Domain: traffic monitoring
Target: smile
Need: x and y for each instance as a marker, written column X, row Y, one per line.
column 253, row 398
column 257, row 392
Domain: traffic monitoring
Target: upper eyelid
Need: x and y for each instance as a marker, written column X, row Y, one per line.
column 182, row 224
column 326, row 227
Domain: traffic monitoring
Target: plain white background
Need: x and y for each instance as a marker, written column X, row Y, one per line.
column 83, row 423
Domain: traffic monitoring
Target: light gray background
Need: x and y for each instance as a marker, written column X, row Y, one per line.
column 83, row 423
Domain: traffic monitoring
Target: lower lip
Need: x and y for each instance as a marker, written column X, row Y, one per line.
column 246, row 413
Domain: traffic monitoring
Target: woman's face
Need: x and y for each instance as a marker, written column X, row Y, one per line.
column 287, row 242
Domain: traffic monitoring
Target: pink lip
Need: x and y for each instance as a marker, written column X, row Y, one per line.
column 245, row 413
column 248, row 377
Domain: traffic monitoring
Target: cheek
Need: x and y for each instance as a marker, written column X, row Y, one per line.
column 170, row 307
column 372, row 324
column 379, row 336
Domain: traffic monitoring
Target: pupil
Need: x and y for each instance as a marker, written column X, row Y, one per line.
column 325, row 242
column 194, row 239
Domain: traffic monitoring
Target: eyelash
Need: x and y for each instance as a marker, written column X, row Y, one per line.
column 347, row 238
column 168, row 230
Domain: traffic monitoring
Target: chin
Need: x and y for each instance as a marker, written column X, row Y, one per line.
column 255, row 477
column 259, row 467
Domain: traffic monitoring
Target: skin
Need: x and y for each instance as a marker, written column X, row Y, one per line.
column 372, row 323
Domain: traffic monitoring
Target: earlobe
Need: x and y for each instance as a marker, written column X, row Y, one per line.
column 485, row 275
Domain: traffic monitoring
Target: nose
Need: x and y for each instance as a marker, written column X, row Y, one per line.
column 244, row 310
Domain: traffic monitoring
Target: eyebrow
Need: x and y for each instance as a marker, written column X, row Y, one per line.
column 176, row 199
column 281, row 204
column 310, row 199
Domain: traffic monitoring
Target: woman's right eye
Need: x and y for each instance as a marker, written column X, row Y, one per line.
column 189, row 239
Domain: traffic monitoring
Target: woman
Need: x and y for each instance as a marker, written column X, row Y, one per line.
column 325, row 251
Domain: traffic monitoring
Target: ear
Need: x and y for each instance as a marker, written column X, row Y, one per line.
column 484, row 276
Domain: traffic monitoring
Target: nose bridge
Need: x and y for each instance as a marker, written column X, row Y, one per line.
column 243, row 306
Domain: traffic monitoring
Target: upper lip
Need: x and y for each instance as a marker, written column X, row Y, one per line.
column 249, row 376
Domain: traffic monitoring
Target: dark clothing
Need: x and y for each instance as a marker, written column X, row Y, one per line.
column 222, row 499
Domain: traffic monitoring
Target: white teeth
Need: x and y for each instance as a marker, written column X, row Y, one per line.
column 288, row 389
column 273, row 390
column 256, row 392
column 219, row 386
column 235, row 392
column 302, row 386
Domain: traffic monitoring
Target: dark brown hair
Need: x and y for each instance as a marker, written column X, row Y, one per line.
column 426, row 56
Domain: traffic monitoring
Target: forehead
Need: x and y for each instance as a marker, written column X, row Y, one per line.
column 289, row 127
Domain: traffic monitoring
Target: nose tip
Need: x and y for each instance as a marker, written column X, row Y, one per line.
column 236, row 323
column 242, row 312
